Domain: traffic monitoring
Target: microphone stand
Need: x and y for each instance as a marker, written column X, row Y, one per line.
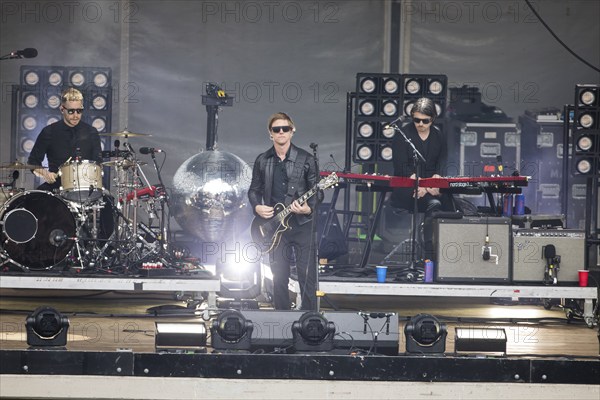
column 315, row 240
column 417, row 158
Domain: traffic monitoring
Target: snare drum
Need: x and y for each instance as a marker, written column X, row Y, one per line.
column 81, row 181
column 37, row 229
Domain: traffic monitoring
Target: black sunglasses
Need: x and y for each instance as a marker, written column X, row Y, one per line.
column 72, row 111
column 423, row 120
column 277, row 129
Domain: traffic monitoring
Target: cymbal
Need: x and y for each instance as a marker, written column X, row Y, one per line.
column 124, row 133
column 18, row 165
column 122, row 163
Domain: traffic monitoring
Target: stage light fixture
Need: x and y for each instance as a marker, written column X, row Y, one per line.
column 586, row 120
column 231, row 331
column 390, row 108
column 53, row 101
column 380, row 99
column 100, row 79
column 364, row 152
column 586, row 130
column 368, row 85
column 386, row 153
column 585, row 143
column 367, row 107
column 99, row 102
column 313, row 332
column 412, row 86
column 55, row 78
column 46, row 83
column 46, row 327
column 240, row 280
column 31, row 78
column 27, row 145
column 180, row 336
column 31, row 101
column 408, row 105
column 387, row 132
column 424, row 333
column 365, row 129
column 390, row 86
column 100, row 124
column 436, row 87
column 478, row 340
column 77, row 79
column 584, row 166
column 51, row 120
column 587, row 97
column 29, row 123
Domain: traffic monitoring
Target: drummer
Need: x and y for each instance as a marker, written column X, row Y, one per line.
column 67, row 139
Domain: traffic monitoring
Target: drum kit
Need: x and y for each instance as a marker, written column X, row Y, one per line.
column 84, row 226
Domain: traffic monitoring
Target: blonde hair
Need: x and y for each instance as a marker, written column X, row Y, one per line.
column 71, row 94
column 281, row 115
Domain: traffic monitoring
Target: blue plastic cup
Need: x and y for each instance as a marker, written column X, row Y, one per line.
column 381, row 273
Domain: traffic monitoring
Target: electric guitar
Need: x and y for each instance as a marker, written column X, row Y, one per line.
column 267, row 232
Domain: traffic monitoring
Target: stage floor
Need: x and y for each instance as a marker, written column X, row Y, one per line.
column 114, row 331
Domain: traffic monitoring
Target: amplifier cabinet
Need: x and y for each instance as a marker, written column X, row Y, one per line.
column 529, row 263
column 459, row 245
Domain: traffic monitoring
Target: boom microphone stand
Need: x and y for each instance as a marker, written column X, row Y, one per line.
column 417, row 159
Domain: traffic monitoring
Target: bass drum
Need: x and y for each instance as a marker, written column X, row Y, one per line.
column 37, row 229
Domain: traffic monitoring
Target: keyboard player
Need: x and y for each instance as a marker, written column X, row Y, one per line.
column 430, row 141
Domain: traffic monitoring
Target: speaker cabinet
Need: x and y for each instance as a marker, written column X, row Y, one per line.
column 273, row 330
column 529, row 263
column 460, row 246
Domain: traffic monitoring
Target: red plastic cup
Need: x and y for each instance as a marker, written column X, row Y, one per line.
column 583, row 277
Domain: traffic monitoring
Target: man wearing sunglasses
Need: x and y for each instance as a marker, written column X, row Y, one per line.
column 431, row 143
column 280, row 175
column 68, row 138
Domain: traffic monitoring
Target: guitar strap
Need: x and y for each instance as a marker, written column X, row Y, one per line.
column 294, row 179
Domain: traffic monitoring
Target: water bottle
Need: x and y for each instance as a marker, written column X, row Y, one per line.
column 428, row 271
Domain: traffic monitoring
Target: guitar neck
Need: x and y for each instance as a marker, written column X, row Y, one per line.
column 302, row 199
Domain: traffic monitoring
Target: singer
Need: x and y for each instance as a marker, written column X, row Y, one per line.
column 431, row 143
column 280, row 175
column 68, row 138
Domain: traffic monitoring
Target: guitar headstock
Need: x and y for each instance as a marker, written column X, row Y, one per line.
column 329, row 181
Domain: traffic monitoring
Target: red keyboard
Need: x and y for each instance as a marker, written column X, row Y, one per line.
column 442, row 183
column 373, row 180
column 474, row 182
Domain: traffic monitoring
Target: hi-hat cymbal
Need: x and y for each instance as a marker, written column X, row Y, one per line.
column 18, row 165
column 122, row 163
column 124, row 133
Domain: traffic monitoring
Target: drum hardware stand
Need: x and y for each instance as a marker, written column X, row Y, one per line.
column 164, row 200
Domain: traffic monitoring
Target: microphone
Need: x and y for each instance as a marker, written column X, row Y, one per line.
column 15, row 176
column 549, row 251
column 57, row 237
column 401, row 118
column 552, row 265
column 313, row 146
column 151, row 150
column 128, row 146
column 91, row 191
column 29, row 52
column 117, row 143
